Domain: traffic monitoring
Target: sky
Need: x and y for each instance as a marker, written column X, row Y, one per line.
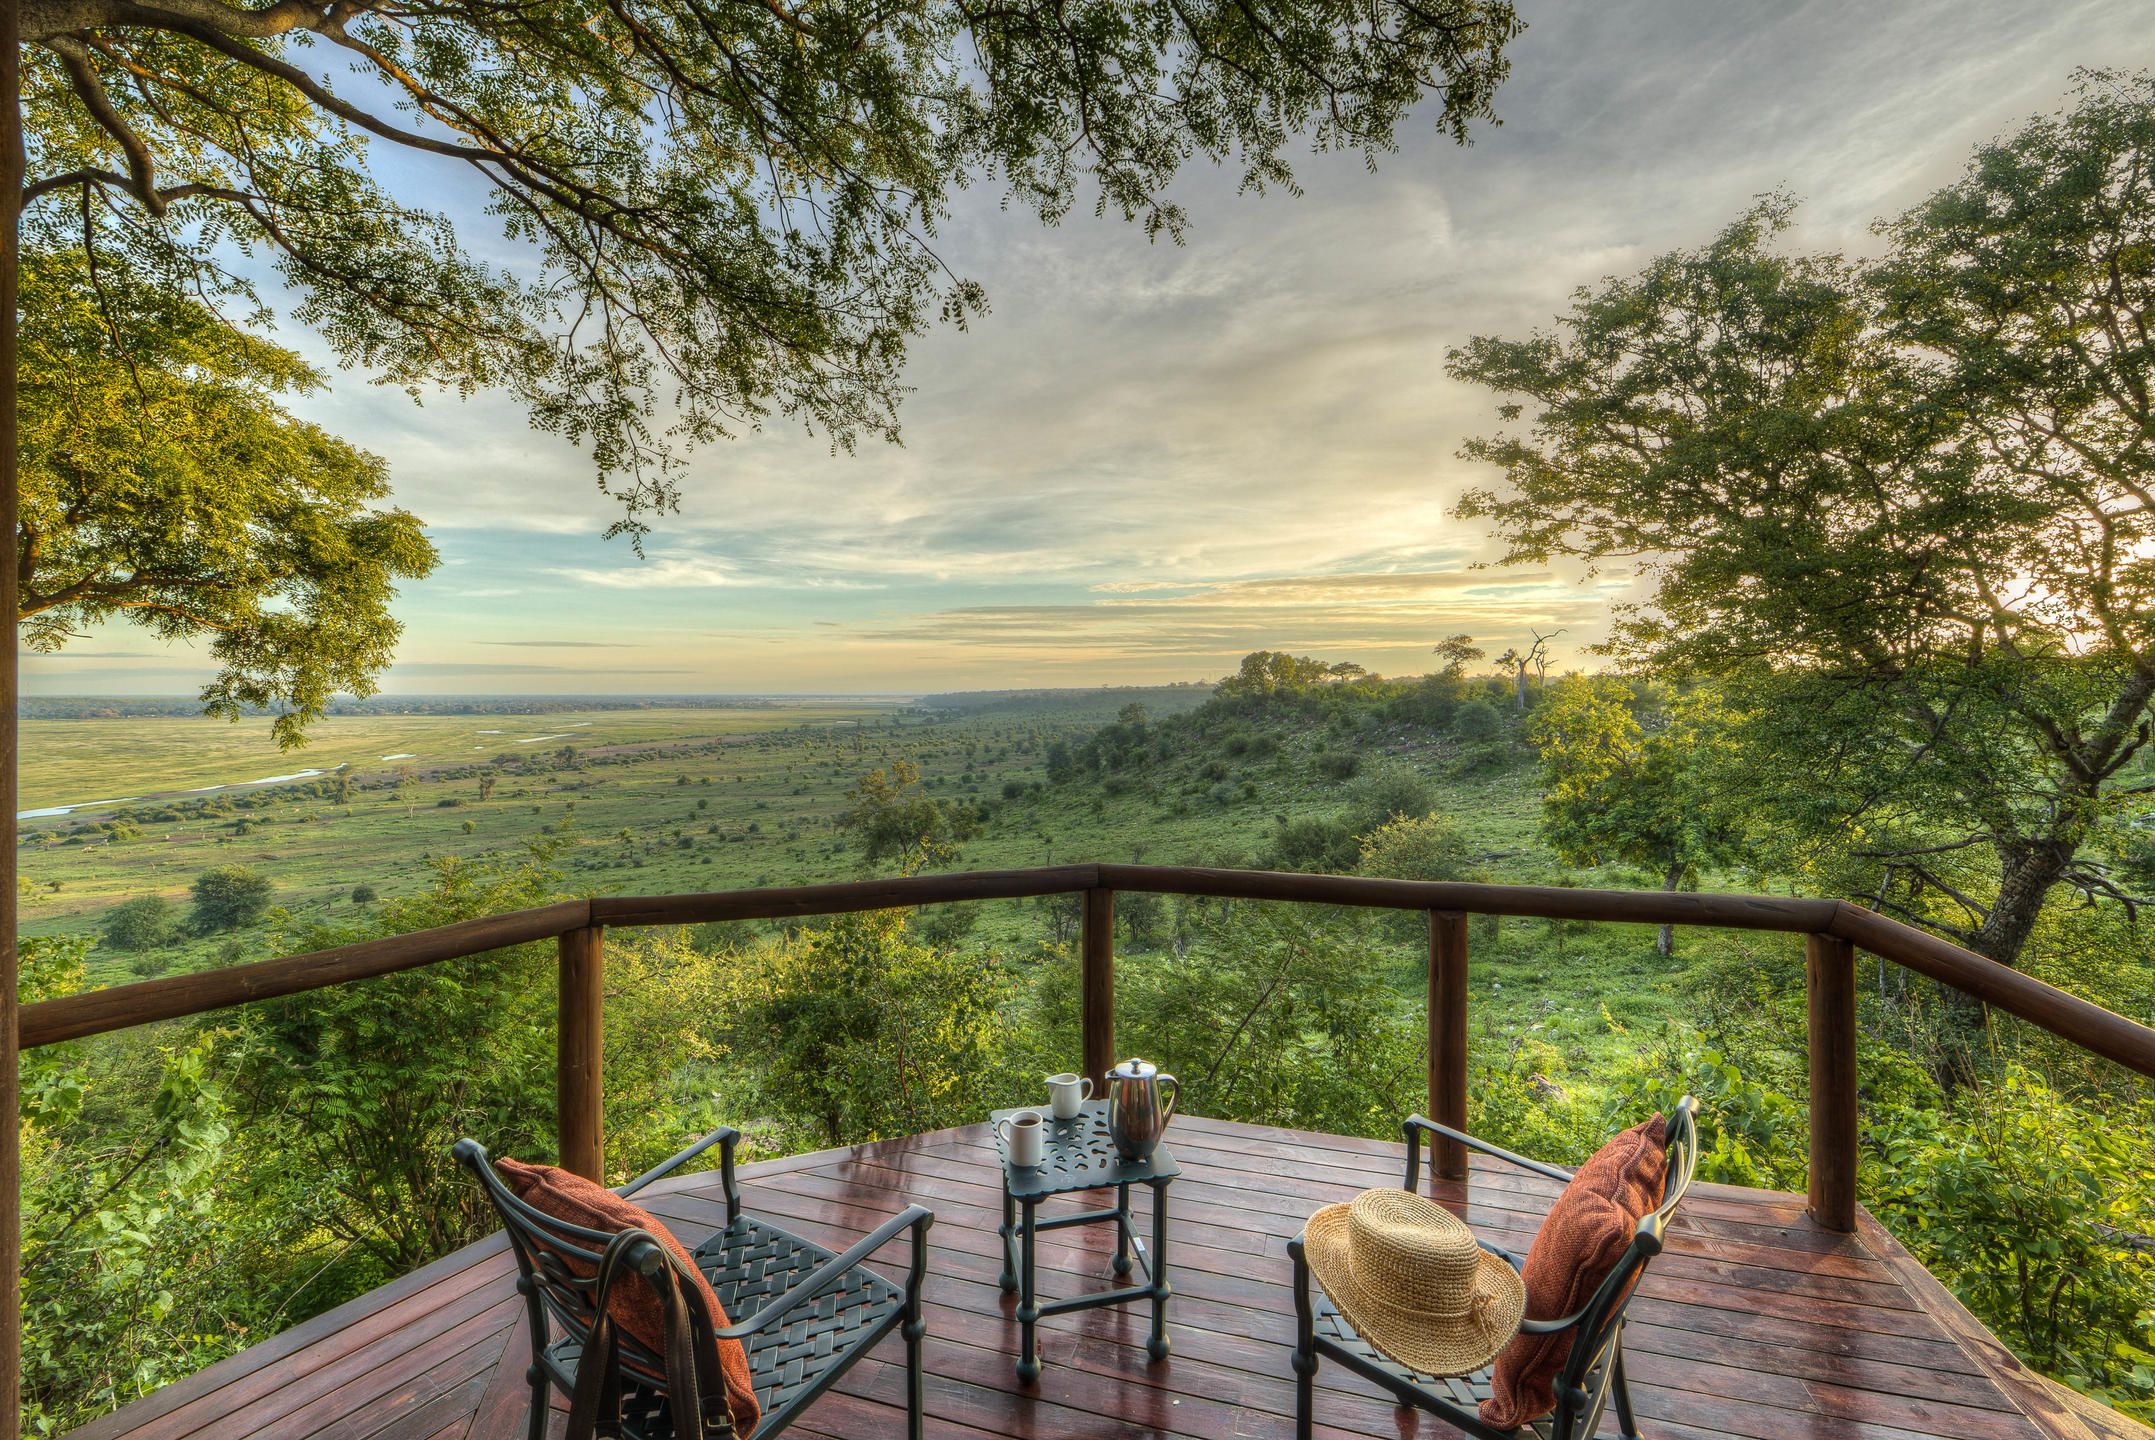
column 1149, row 459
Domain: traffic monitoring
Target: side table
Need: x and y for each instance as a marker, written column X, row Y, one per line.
column 1077, row 1154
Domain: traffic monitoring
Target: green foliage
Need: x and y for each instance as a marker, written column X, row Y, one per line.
column 374, row 1082
column 1477, row 721
column 725, row 218
column 894, row 820
column 1636, row 791
column 1387, row 790
column 1277, row 1015
column 1270, row 674
column 164, row 483
column 854, row 1031
column 1428, row 847
column 1833, row 462
column 229, row 897
column 1321, row 846
column 143, row 923
column 2038, row 1220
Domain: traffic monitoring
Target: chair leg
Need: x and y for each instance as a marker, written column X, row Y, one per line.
column 1305, row 1346
column 539, row 1399
column 915, row 1390
column 1625, row 1420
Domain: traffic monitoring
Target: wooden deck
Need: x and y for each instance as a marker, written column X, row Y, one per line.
column 1756, row 1323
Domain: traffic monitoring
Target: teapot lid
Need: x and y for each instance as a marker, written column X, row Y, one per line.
column 1136, row 1069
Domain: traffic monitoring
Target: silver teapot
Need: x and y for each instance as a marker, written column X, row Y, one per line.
column 1136, row 1115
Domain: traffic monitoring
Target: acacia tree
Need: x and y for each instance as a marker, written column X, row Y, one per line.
column 1905, row 508
column 1636, row 791
column 720, row 208
column 163, row 482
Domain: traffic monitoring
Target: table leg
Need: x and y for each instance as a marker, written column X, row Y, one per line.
column 1156, row 1346
column 1028, row 1310
column 1007, row 1276
column 1122, row 1230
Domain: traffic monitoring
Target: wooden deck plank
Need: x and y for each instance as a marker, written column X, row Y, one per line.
column 1755, row 1323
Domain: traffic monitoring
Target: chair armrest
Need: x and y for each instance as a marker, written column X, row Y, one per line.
column 916, row 1218
column 723, row 1135
column 1414, row 1125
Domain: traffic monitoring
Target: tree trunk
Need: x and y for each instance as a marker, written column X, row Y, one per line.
column 2026, row 872
column 1665, row 941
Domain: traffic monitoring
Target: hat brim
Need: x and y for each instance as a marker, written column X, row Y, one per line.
column 1424, row 1342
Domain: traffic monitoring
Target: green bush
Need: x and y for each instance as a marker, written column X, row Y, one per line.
column 228, row 898
column 1477, row 721
column 1338, row 764
column 143, row 923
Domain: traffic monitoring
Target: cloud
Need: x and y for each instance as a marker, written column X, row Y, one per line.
column 1161, row 455
column 659, row 572
column 566, row 644
column 464, row 667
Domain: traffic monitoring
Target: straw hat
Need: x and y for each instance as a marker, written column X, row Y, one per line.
column 1408, row 1276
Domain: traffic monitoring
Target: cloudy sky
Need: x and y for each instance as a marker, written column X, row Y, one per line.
column 1151, row 459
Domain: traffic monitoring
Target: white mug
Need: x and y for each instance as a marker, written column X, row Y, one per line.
column 1067, row 1094
column 1020, row 1134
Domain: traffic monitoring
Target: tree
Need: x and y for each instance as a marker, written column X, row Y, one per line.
column 1904, row 508
column 164, row 483
column 735, row 208
column 1615, row 788
column 1517, row 662
column 143, row 923
column 1265, row 673
column 1457, row 651
column 893, row 819
column 229, row 898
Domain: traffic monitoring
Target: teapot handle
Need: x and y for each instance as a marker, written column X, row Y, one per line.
column 1174, row 1093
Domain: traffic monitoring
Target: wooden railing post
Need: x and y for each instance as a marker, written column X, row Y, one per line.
column 1830, row 975
column 1448, row 1039
column 579, row 1090
column 1096, row 985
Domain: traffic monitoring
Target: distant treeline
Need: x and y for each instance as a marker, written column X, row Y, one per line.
column 1106, row 700
column 109, row 707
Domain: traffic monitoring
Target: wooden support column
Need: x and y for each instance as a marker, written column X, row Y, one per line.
column 579, row 1089
column 1830, row 975
column 1448, row 1039
column 11, row 178
column 1096, row 986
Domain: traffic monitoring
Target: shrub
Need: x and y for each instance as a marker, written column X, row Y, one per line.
column 1427, row 847
column 1477, row 721
column 1387, row 791
column 1326, row 846
column 143, row 923
column 229, row 897
column 1338, row 764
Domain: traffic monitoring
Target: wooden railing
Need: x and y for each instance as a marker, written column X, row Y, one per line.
column 1833, row 931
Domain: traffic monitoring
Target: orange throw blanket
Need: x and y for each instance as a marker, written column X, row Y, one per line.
column 634, row 1305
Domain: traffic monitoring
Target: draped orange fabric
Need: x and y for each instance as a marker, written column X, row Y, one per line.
column 634, row 1305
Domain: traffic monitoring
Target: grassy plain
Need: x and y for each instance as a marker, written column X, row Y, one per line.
column 659, row 800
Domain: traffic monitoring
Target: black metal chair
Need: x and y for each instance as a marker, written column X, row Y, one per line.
column 1593, row 1372
column 804, row 1315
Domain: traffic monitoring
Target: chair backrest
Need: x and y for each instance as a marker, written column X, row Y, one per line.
column 560, row 1264
column 1601, row 1321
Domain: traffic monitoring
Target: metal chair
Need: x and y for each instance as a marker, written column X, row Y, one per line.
column 1593, row 1372
column 804, row 1315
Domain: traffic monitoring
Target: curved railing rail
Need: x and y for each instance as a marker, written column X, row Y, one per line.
column 1832, row 930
